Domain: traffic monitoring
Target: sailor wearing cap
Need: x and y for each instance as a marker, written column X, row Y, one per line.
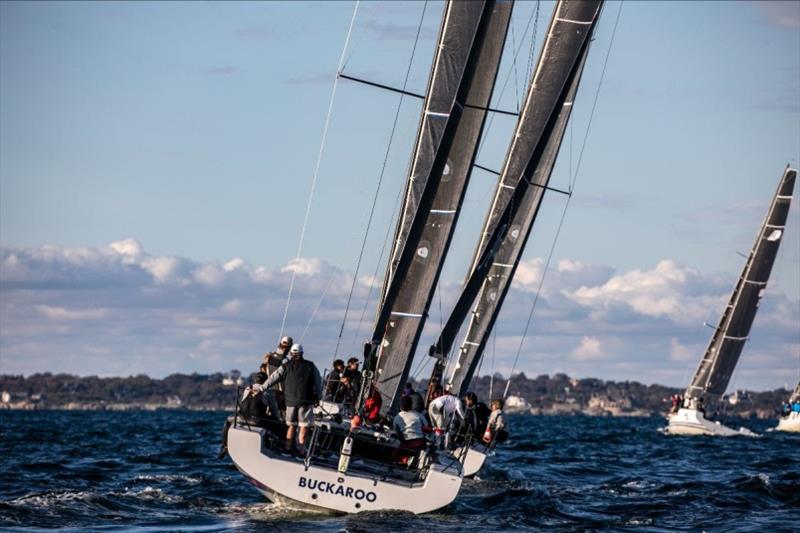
column 272, row 362
column 302, row 389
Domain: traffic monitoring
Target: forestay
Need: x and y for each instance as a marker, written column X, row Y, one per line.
column 720, row 358
column 522, row 183
column 460, row 87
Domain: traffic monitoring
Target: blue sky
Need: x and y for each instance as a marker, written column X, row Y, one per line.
column 187, row 134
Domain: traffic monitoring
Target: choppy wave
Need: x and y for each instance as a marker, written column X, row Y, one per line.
column 158, row 471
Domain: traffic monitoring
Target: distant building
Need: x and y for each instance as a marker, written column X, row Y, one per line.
column 738, row 397
column 233, row 379
column 174, row 401
column 6, row 397
column 516, row 403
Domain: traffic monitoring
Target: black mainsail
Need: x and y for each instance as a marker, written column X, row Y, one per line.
column 520, row 189
column 459, row 92
column 720, row 358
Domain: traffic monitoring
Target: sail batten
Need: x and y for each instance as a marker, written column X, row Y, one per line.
column 521, row 187
column 722, row 354
column 457, row 102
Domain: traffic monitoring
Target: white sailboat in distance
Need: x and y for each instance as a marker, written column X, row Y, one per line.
column 790, row 421
column 699, row 408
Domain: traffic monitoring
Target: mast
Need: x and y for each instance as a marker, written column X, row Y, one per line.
column 720, row 358
column 521, row 186
column 459, row 92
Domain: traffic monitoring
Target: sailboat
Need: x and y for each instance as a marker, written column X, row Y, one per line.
column 518, row 195
column 790, row 421
column 696, row 414
column 354, row 469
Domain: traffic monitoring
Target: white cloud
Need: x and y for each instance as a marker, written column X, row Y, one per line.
column 782, row 13
column 120, row 310
column 680, row 352
column 60, row 313
column 210, row 274
column 666, row 291
column 566, row 265
column 529, row 274
column 163, row 269
column 588, row 349
column 130, row 249
column 233, row 264
column 231, row 307
column 304, row 266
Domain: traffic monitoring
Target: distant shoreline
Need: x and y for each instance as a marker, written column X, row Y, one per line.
column 546, row 395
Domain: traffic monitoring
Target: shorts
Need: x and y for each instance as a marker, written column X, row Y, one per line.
column 301, row 415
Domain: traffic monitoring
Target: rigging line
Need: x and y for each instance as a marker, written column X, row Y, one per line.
column 502, row 91
column 514, row 64
column 380, row 182
column 319, row 303
column 566, row 205
column 596, row 96
column 378, row 264
column 316, row 170
column 571, row 157
column 532, row 54
column 532, row 184
column 420, row 96
column 422, row 366
column 494, row 350
column 477, row 373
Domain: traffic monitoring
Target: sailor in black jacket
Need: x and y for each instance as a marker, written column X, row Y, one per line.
column 302, row 389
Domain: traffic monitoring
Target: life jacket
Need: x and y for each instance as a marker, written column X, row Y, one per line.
column 372, row 406
column 298, row 383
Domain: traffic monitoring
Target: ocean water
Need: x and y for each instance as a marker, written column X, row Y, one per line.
column 158, row 471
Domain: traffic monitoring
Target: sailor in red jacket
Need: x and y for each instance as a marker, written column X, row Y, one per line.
column 372, row 407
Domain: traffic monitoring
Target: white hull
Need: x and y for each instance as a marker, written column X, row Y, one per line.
column 790, row 423
column 693, row 422
column 473, row 460
column 286, row 479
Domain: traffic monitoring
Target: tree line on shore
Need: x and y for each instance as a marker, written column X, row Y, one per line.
column 218, row 391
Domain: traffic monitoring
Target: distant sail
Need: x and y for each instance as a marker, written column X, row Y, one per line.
column 795, row 397
column 459, row 92
column 525, row 174
column 714, row 372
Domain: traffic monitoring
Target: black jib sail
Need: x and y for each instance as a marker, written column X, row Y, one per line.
column 715, row 369
column 523, row 181
column 460, row 87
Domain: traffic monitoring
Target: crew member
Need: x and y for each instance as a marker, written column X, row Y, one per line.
column 496, row 429
column 274, row 360
column 302, row 389
column 332, row 383
column 408, row 426
column 441, row 411
column 354, row 374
